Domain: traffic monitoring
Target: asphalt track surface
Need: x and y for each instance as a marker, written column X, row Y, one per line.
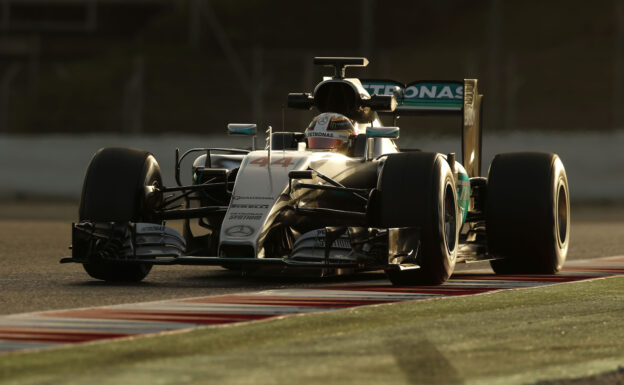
column 35, row 235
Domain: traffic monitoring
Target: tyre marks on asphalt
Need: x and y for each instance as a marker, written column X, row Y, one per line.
column 20, row 332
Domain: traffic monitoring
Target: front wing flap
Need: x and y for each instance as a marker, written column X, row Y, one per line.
column 159, row 245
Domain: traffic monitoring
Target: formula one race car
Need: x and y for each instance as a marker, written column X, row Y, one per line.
column 338, row 198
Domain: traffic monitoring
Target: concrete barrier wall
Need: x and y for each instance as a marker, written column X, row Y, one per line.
column 54, row 166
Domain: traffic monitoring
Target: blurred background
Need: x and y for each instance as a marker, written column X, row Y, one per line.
column 77, row 75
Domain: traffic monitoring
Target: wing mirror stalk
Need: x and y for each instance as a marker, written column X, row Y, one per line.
column 244, row 129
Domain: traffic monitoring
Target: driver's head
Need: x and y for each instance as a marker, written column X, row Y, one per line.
column 330, row 131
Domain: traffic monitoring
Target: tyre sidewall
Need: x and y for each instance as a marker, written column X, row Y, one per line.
column 522, row 218
column 434, row 238
column 561, row 226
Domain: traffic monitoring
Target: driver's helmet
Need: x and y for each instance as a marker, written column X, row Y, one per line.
column 330, row 131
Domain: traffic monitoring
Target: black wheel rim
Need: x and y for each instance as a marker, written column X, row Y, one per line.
column 562, row 215
column 450, row 219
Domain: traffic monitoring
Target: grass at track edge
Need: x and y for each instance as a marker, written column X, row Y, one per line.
column 508, row 337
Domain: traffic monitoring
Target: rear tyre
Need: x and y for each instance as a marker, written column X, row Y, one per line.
column 113, row 191
column 527, row 213
column 418, row 190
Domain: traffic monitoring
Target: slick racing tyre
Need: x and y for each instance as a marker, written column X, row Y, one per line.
column 113, row 191
column 527, row 213
column 418, row 190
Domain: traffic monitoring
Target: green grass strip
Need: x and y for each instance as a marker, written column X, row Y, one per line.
column 509, row 337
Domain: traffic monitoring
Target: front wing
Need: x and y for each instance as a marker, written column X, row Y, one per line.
column 160, row 245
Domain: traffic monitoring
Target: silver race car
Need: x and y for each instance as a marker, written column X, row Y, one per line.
column 340, row 197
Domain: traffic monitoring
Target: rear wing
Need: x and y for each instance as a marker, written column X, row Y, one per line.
column 440, row 97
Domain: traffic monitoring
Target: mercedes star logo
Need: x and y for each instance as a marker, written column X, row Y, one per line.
column 239, row 231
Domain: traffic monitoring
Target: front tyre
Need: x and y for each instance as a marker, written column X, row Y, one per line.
column 418, row 190
column 527, row 213
column 114, row 191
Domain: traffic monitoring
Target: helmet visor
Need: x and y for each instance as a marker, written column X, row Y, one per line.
column 324, row 143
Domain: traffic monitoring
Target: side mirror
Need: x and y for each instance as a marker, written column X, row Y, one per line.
column 383, row 132
column 245, row 129
column 381, row 103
